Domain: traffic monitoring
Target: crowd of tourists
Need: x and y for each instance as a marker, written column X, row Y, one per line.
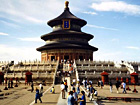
column 72, row 92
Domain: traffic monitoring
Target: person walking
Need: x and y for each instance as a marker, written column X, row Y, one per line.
column 110, row 83
column 117, row 86
column 82, row 99
column 63, row 90
column 37, row 96
column 41, row 87
column 124, row 87
column 91, row 90
column 70, row 98
column 41, row 90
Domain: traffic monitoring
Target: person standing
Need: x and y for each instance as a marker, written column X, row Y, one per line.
column 71, row 98
column 78, row 88
column 75, row 97
column 98, row 83
column 32, row 86
column 124, row 87
column 110, row 83
column 9, row 83
column 82, row 99
column 37, row 96
column 66, row 86
column 101, row 83
column 63, row 90
column 85, row 83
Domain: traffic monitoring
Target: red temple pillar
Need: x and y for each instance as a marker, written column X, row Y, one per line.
column 1, row 77
column 121, row 79
column 104, row 77
column 16, row 81
column 134, row 80
column 127, row 83
column 28, row 77
column 117, row 79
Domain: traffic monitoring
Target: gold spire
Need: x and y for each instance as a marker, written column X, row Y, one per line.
column 66, row 4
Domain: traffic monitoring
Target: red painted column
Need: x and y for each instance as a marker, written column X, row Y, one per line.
column 127, row 83
column 104, row 77
column 28, row 77
column 134, row 80
column 117, row 79
column 121, row 79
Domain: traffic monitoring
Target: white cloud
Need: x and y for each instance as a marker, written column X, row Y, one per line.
column 133, row 47
column 91, row 13
column 35, row 11
column 33, row 39
column 117, row 6
column 9, row 24
column 5, row 34
column 9, row 53
column 94, row 26
column 115, row 40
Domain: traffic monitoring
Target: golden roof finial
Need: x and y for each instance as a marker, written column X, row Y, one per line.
column 66, row 4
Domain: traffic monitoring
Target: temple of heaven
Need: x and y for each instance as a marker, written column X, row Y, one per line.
column 67, row 41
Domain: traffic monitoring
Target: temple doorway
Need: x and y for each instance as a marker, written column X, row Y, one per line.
column 1, row 77
column 66, row 57
column 52, row 58
column 81, row 57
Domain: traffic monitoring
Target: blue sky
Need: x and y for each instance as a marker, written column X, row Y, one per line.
column 115, row 25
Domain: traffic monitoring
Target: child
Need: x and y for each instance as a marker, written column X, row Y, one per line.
column 53, row 90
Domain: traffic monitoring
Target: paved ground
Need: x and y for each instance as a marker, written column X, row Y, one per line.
column 105, row 92
column 22, row 96
column 18, row 95
column 50, row 99
column 56, row 99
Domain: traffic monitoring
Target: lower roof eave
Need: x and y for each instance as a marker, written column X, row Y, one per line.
column 42, row 49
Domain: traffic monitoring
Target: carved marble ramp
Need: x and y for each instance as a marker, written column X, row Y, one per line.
column 62, row 101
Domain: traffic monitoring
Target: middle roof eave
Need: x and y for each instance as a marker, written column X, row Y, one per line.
column 66, row 32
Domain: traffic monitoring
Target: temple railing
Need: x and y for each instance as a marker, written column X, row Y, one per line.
column 75, row 67
column 55, row 72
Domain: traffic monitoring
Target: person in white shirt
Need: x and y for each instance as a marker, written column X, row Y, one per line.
column 41, row 89
column 63, row 90
column 124, row 87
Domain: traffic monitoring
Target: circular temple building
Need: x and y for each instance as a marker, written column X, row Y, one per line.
column 67, row 41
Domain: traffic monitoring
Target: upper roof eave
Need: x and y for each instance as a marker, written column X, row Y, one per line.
column 66, row 15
